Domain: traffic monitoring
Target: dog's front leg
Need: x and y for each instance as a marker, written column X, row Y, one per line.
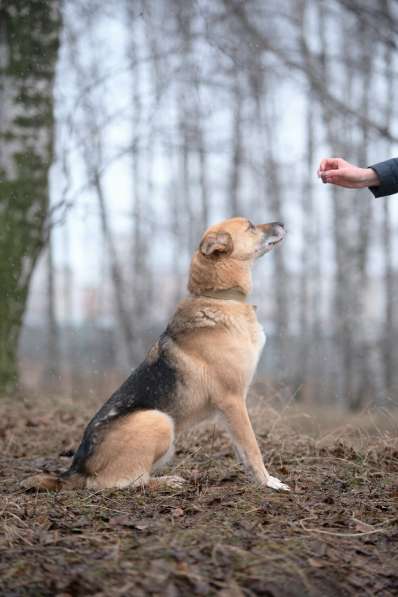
column 235, row 417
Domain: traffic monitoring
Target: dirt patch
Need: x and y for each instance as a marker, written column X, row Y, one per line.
column 336, row 533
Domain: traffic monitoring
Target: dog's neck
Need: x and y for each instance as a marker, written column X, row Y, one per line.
column 220, row 277
column 227, row 294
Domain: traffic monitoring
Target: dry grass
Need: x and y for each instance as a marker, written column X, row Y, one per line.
column 336, row 533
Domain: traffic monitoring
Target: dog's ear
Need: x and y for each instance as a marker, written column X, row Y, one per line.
column 216, row 243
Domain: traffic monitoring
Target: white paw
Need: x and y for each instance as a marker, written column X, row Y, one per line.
column 173, row 481
column 177, row 480
column 274, row 483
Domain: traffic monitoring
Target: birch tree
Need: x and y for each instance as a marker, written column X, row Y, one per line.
column 29, row 40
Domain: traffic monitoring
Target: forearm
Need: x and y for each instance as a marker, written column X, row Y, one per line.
column 371, row 178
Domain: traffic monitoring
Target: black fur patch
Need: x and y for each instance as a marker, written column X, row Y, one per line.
column 150, row 386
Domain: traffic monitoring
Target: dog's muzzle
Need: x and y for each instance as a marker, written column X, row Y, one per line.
column 273, row 234
column 277, row 235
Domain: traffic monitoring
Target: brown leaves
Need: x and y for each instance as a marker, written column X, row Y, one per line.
column 220, row 536
column 130, row 521
column 39, row 421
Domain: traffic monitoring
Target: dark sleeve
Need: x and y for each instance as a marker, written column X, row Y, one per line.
column 388, row 175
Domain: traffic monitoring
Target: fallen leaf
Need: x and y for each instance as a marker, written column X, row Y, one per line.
column 316, row 563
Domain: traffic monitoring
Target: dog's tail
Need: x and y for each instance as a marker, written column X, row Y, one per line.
column 52, row 482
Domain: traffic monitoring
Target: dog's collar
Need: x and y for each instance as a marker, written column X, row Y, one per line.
column 229, row 294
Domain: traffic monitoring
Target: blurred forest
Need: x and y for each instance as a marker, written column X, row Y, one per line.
column 150, row 120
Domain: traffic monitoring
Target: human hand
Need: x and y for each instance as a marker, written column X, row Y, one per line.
column 339, row 172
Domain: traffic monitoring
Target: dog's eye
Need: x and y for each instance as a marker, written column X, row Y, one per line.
column 251, row 226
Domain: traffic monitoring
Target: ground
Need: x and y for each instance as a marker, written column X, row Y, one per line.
column 336, row 533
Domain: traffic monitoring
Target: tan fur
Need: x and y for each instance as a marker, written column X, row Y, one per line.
column 130, row 449
column 42, row 481
column 213, row 342
column 52, row 482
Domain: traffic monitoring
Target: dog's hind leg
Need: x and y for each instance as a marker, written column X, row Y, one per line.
column 129, row 451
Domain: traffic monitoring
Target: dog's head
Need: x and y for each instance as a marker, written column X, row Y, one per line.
column 238, row 238
column 227, row 251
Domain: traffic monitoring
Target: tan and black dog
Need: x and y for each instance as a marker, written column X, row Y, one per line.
column 200, row 368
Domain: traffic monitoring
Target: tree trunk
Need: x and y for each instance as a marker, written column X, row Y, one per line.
column 29, row 40
column 309, row 291
column 68, row 285
column 186, row 118
column 281, row 280
column 203, row 166
column 308, row 254
column 139, row 241
column 51, row 371
column 343, row 284
column 365, row 386
column 236, row 157
column 126, row 327
column 387, row 230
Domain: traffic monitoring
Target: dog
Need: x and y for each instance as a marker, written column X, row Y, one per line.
column 200, row 368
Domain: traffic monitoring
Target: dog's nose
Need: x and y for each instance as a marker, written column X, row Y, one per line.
column 278, row 229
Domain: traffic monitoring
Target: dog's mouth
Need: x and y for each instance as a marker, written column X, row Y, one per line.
column 273, row 243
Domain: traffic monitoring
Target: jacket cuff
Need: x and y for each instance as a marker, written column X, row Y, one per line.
column 388, row 175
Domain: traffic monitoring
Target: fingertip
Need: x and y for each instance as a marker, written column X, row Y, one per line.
column 330, row 164
column 324, row 164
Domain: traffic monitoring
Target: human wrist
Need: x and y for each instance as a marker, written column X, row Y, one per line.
column 371, row 178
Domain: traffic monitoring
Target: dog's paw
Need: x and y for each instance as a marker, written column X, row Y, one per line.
column 173, row 481
column 176, row 480
column 274, row 483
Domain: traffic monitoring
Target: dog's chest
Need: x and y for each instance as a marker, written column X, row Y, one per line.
column 249, row 351
column 258, row 339
column 259, row 336
column 249, row 342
